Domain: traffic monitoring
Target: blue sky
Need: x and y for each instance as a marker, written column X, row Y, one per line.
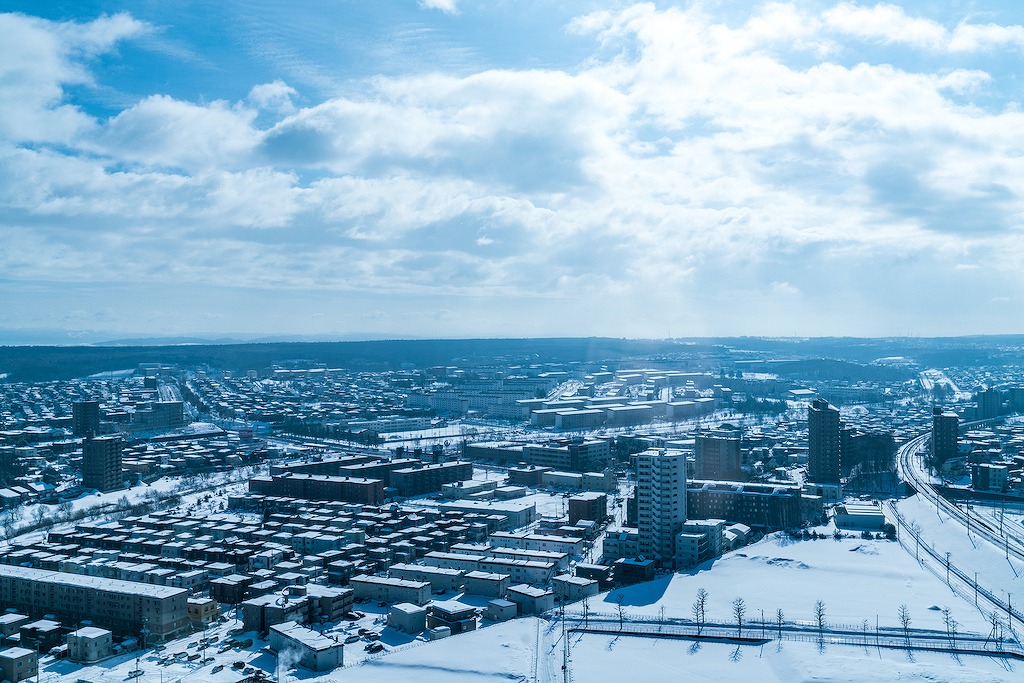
column 453, row 168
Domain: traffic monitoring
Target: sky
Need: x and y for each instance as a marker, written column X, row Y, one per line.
column 502, row 168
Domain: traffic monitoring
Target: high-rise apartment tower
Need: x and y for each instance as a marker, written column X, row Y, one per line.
column 85, row 418
column 717, row 454
column 101, row 463
column 661, row 504
column 945, row 436
column 823, row 449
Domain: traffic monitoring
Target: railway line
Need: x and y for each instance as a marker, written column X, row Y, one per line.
column 910, row 461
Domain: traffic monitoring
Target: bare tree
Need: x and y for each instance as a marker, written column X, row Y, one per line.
column 950, row 622
column 586, row 612
column 699, row 609
column 904, row 614
column 621, row 610
column 819, row 617
column 865, row 625
column 997, row 628
column 780, row 618
column 739, row 610
column 661, row 616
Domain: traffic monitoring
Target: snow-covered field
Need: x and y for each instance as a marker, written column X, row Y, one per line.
column 603, row 658
column 857, row 579
column 996, row 572
column 529, row 649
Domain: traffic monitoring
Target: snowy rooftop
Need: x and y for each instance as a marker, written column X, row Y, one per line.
column 96, row 582
column 307, row 637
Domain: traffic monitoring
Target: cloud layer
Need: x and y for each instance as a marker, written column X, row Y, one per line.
column 850, row 170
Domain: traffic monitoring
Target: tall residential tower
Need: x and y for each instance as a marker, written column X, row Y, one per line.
column 945, row 436
column 717, row 454
column 101, row 463
column 823, row 450
column 661, row 504
column 85, row 418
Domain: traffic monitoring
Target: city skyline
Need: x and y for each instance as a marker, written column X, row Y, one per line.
column 458, row 169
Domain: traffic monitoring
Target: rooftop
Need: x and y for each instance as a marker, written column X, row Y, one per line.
column 307, row 637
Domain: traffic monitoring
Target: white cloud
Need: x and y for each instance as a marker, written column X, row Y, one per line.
column 275, row 97
column 446, row 6
column 974, row 37
column 889, row 23
column 784, row 289
column 101, row 35
column 729, row 172
column 160, row 131
column 886, row 23
column 37, row 60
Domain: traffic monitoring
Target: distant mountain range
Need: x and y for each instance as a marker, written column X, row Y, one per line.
column 70, row 360
column 46, row 337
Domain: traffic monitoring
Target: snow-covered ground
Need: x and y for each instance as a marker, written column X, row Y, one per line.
column 602, row 657
column 531, row 649
column 191, row 493
column 996, row 572
column 857, row 580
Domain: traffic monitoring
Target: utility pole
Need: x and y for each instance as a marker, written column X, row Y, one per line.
column 565, row 646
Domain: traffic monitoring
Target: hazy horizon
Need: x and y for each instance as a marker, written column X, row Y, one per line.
column 454, row 169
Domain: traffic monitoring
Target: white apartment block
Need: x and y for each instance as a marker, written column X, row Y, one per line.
column 661, row 504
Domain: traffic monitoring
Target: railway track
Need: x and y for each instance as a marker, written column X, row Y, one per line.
column 912, row 469
column 909, row 459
